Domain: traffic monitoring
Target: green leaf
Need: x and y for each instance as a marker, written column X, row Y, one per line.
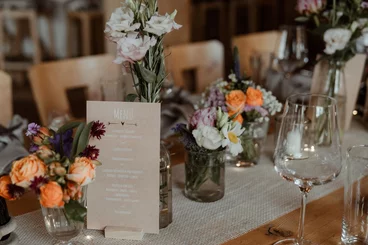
column 84, row 138
column 131, row 97
column 301, row 19
column 162, row 72
column 147, row 75
column 75, row 211
column 68, row 126
column 76, row 138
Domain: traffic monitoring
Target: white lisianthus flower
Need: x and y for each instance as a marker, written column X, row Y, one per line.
column 133, row 48
column 362, row 42
column 208, row 137
column 161, row 24
column 120, row 23
column 231, row 133
column 336, row 39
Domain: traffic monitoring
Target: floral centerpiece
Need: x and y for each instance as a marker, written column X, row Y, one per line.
column 138, row 30
column 58, row 169
column 251, row 105
column 342, row 25
column 209, row 133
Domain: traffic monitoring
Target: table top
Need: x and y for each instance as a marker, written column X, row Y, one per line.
column 323, row 216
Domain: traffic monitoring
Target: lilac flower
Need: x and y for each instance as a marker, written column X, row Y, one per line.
column 33, row 148
column 33, row 129
column 67, row 143
column 259, row 109
column 203, row 117
column 364, row 5
column 186, row 137
column 216, row 99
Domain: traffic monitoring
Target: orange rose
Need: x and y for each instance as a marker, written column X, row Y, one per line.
column 238, row 118
column 73, row 191
column 51, row 195
column 4, row 190
column 235, row 101
column 82, row 171
column 26, row 169
column 254, row 97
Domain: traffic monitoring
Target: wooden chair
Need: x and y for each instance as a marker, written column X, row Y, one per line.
column 51, row 81
column 183, row 35
column 205, row 59
column 257, row 44
column 6, row 99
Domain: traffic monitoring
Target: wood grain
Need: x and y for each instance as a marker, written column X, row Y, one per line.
column 322, row 224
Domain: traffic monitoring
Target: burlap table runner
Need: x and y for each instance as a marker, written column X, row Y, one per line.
column 253, row 196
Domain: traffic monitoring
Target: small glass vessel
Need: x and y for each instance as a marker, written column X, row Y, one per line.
column 165, row 188
column 60, row 227
column 205, row 176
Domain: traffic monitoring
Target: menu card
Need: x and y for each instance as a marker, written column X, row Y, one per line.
column 126, row 190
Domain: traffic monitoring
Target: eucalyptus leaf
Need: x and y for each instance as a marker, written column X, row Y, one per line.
column 84, row 138
column 76, row 138
column 162, row 73
column 68, row 126
column 75, row 211
column 301, row 19
column 131, row 97
column 147, row 75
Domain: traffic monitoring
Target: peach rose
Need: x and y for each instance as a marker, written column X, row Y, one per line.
column 26, row 169
column 73, row 191
column 254, row 97
column 238, row 118
column 82, row 171
column 235, row 100
column 4, row 190
column 51, row 195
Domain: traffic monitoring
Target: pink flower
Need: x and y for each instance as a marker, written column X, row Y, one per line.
column 133, row 48
column 308, row 7
column 203, row 117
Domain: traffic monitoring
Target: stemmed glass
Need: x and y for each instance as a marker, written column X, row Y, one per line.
column 308, row 150
column 291, row 51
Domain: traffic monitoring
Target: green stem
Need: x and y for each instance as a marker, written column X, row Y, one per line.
column 316, row 20
column 334, row 14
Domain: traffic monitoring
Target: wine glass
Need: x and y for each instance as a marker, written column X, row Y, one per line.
column 291, row 51
column 308, row 150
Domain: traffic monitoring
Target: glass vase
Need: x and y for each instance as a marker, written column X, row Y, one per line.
column 204, row 176
column 60, row 226
column 165, row 188
column 333, row 83
column 252, row 140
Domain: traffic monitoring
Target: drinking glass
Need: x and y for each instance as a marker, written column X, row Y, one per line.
column 355, row 219
column 291, row 51
column 308, row 150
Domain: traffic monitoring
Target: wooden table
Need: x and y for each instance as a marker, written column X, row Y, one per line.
column 322, row 224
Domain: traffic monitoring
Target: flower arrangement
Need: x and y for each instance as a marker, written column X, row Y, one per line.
column 57, row 168
column 138, row 30
column 342, row 25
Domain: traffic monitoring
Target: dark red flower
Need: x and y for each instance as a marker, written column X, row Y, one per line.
column 91, row 152
column 15, row 191
column 98, row 130
column 36, row 184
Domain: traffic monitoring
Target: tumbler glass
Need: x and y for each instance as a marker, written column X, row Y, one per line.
column 355, row 219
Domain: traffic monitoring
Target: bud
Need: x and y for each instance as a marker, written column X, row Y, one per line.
column 44, row 152
column 45, row 132
column 37, row 140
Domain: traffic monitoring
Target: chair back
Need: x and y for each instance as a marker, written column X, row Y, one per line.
column 260, row 45
column 6, row 99
column 205, row 59
column 51, row 81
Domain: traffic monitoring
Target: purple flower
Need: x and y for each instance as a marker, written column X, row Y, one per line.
column 37, row 182
column 15, row 191
column 259, row 109
column 91, row 152
column 308, row 7
column 67, row 143
column 216, row 99
column 33, row 148
column 364, row 5
column 203, row 117
column 98, row 129
column 33, row 129
column 186, row 137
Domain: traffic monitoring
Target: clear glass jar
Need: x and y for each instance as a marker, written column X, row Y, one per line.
column 252, row 140
column 165, row 188
column 60, row 226
column 205, row 176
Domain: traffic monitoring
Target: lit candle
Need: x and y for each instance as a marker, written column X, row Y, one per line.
column 294, row 143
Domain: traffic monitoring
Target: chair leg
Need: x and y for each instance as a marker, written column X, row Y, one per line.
column 2, row 56
column 35, row 38
column 86, row 35
column 69, row 27
column 51, row 37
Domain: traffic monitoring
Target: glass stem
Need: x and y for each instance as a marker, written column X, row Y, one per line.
column 300, row 237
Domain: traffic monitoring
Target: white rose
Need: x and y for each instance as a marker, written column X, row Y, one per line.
column 120, row 23
column 336, row 39
column 161, row 24
column 362, row 42
column 208, row 137
column 133, row 48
